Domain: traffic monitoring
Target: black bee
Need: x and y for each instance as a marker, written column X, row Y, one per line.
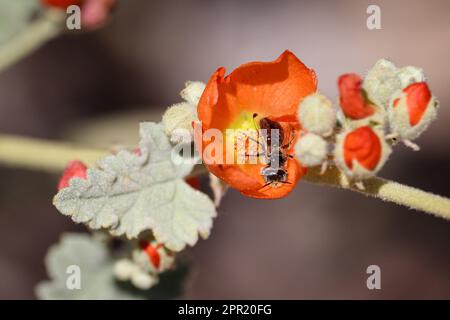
column 275, row 151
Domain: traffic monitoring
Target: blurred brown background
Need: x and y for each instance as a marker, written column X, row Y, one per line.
column 318, row 242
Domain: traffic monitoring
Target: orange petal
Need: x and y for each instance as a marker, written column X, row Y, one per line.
column 352, row 98
column 364, row 146
column 418, row 97
column 152, row 252
column 271, row 89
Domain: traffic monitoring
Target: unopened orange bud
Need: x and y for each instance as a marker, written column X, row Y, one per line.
column 417, row 98
column 362, row 152
column 152, row 252
column 62, row 4
column 194, row 182
column 364, row 146
column 412, row 110
column 74, row 169
column 353, row 99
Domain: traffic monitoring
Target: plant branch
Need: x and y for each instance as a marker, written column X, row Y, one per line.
column 385, row 190
column 46, row 27
column 45, row 155
column 53, row 157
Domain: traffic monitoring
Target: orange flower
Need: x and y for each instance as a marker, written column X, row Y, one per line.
column 352, row 97
column 271, row 90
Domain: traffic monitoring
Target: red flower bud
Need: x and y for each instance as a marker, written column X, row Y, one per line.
column 418, row 96
column 364, row 146
column 412, row 110
column 194, row 182
column 94, row 13
column 74, row 169
column 152, row 252
column 62, row 4
column 362, row 152
column 353, row 99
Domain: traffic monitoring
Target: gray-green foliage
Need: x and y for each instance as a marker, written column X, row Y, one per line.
column 129, row 193
column 96, row 263
column 14, row 16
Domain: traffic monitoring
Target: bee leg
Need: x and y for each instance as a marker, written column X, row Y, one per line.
column 360, row 185
column 266, row 185
column 258, row 142
column 323, row 168
column 287, row 145
column 257, row 156
column 411, row 145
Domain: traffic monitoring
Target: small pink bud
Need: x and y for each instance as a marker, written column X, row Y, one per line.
column 74, row 169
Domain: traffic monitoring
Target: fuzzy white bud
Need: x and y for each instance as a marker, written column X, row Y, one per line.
column 143, row 281
column 179, row 116
column 193, row 91
column 409, row 75
column 124, row 269
column 381, row 82
column 317, row 114
column 311, row 150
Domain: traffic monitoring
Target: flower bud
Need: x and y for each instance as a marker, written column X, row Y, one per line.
column 124, row 269
column 409, row 75
column 412, row 110
column 94, row 13
column 74, row 169
column 62, row 4
column 193, row 91
column 179, row 116
column 311, row 150
column 143, row 281
column 153, row 257
column 194, row 182
column 381, row 82
column 317, row 115
column 353, row 98
column 362, row 152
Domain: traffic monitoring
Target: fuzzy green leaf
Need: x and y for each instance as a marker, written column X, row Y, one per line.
column 96, row 265
column 130, row 193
